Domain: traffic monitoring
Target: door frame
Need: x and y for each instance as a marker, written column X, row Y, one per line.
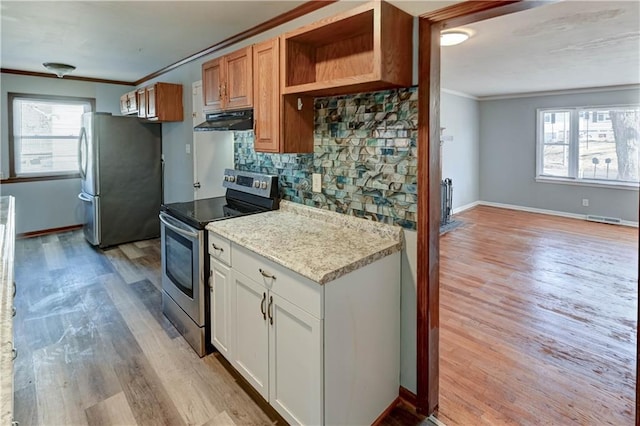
column 429, row 175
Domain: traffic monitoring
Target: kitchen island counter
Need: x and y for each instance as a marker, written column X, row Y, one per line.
column 7, row 237
column 318, row 244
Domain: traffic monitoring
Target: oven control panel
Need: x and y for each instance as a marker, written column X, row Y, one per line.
column 252, row 183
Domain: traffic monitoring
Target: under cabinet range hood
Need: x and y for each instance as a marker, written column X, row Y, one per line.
column 228, row 120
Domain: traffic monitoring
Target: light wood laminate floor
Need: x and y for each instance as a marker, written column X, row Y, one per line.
column 537, row 320
column 94, row 347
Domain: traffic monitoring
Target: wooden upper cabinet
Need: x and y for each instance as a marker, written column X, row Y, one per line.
column 141, row 95
column 129, row 103
column 238, row 87
column 160, row 102
column 227, row 82
column 212, row 85
column 283, row 124
column 266, row 90
column 151, row 101
column 364, row 49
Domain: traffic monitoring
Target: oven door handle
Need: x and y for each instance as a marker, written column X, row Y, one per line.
column 174, row 225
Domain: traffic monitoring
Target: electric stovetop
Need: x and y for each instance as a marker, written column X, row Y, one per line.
column 200, row 212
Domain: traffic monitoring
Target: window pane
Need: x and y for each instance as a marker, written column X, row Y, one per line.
column 557, row 126
column 556, row 136
column 608, row 144
column 556, row 160
column 48, row 156
column 46, row 135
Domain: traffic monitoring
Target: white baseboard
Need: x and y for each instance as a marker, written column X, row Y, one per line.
column 465, row 207
column 544, row 211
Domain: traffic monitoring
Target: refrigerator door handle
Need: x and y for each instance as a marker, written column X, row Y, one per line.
column 84, row 197
column 81, row 163
column 175, row 226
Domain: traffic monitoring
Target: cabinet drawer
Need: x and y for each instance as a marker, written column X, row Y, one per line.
column 289, row 285
column 219, row 248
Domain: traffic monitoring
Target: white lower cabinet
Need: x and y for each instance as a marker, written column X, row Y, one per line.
column 295, row 363
column 220, row 291
column 278, row 350
column 251, row 332
column 318, row 354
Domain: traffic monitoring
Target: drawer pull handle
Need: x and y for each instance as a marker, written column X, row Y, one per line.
column 266, row 274
column 215, row 247
column 14, row 289
column 14, row 354
column 262, row 307
column 13, row 311
column 271, row 310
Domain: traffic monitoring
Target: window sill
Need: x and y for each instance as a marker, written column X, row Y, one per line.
column 585, row 182
column 22, row 179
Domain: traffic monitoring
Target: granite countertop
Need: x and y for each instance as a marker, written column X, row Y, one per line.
column 7, row 237
column 318, row 244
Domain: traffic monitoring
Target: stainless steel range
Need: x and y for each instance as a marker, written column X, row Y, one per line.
column 185, row 263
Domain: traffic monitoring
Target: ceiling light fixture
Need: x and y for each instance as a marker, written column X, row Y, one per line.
column 59, row 69
column 451, row 38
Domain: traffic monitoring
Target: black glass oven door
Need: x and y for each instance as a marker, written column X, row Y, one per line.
column 179, row 261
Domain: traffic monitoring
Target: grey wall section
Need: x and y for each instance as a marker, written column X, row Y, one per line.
column 460, row 116
column 49, row 204
column 508, row 158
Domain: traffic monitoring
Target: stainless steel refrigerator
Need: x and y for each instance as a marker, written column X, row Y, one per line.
column 121, row 170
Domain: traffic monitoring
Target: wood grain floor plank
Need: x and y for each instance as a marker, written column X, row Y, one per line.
column 113, row 411
column 131, row 250
column 537, row 320
column 148, row 399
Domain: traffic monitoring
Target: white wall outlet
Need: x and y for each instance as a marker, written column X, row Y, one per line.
column 187, row 148
column 585, row 202
column 317, row 182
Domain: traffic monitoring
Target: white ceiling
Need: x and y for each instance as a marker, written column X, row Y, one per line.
column 559, row 46
column 570, row 44
column 122, row 40
column 128, row 40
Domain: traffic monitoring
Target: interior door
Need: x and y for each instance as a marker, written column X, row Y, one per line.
column 212, row 153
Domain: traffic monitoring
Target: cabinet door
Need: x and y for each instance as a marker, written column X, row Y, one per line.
column 237, row 86
column 220, row 291
column 151, row 101
column 251, row 347
column 124, row 104
column 295, row 363
column 142, row 103
column 132, row 100
column 266, row 92
column 212, row 77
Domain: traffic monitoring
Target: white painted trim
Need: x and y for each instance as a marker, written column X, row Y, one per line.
column 456, row 93
column 592, row 183
column 560, row 92
column 465, row 207
column 548, row 212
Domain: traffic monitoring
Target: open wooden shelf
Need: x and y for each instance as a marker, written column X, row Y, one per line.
column 366, row 48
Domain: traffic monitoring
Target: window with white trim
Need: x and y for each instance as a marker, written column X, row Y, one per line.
column 593, row 145
column 44, row 133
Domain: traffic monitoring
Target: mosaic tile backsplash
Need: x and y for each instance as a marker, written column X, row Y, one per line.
column 365, row 149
